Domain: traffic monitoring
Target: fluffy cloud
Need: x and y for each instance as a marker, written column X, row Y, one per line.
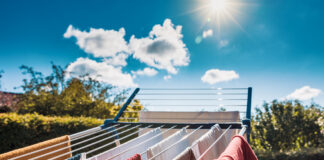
column 207, row 33
column 162, row 49
column 223, row 43
column 99, row 42
column 304, row 93
column 118, row 60
column 167, row 77
column 100, row 71
column 213, row 76
column 146, row 71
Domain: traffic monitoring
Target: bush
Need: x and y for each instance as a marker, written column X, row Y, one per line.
column 5, row 109
column 18, row 131
column 287, row 126
column 57, row 95
column 304, row 154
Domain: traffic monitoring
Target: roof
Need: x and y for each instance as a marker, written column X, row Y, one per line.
column 8, row 98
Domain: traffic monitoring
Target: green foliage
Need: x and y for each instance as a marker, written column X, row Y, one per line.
column 5, row 109
column 18, row 131
column 55, row 95
column 287, row 126
column 131, row 111
column 304, row 154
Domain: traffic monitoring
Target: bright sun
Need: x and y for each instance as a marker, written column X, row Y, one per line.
column 217, row 13
column 218, row 5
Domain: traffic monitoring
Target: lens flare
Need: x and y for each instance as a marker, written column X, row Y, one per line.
column 218, row 5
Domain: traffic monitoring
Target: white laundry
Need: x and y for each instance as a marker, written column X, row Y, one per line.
column 157, row 148
column 204, row 142
column 137, row 145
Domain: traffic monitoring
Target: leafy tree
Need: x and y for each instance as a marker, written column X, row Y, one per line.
column 131, row 113
column 284, row 126
column 56, row 95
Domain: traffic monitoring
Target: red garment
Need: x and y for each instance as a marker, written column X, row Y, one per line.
column 135, row 157
column 238, row 149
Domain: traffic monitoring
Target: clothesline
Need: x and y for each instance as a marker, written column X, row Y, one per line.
column 176, row 143
column 75, row 138
column 79, row 143
column 88, row 145
column 143, row 142
column 91, row 151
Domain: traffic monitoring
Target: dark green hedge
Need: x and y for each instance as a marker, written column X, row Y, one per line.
column 18, row 131
column 302, row 154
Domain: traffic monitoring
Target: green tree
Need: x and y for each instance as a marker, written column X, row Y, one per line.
column 56, row 95
column 284, row 126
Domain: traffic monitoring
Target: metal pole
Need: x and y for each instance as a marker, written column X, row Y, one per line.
column 248, row 112
column 129, row 100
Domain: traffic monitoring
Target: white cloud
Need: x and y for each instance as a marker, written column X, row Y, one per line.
column 100, row 71
column 213, row 76
column 304, row 93
column 163, row 49
column 99, row 42
column 167, row 77
column 146, row 71
column 223, row 43
column 207, row 33
column 118, row 60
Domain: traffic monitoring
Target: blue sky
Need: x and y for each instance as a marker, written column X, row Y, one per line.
column 273, row 46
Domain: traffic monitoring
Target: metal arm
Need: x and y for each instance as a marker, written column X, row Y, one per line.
column 129, row 100
column 248, row 113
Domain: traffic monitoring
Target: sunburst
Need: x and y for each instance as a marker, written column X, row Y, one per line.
column 217, row 13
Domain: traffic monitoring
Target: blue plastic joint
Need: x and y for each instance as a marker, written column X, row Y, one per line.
column 247, row 122
column 107, row 124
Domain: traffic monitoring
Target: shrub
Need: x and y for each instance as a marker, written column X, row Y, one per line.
column 5, row 109
column 303, row 154
column 287, row 126
column 18, row 131
column 57, row 95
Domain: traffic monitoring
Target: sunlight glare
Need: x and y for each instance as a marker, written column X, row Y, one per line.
column 217, row 13
column 218, row 5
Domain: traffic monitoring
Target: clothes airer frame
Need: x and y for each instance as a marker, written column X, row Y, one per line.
column 109, row 125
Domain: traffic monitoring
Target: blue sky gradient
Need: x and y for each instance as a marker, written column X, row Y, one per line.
column 278, row 48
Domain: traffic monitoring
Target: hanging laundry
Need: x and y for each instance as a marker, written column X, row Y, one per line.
column 201, row 145
column 26, row 152
column 180, row 145
column 238, row 149
column 186, row 155
column 125, row 150
column 159, row 147
column 135, row 157
column 174, row 151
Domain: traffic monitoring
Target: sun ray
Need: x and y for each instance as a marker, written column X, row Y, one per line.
column 193, row 11
column 217, row 12
column 234, row 20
